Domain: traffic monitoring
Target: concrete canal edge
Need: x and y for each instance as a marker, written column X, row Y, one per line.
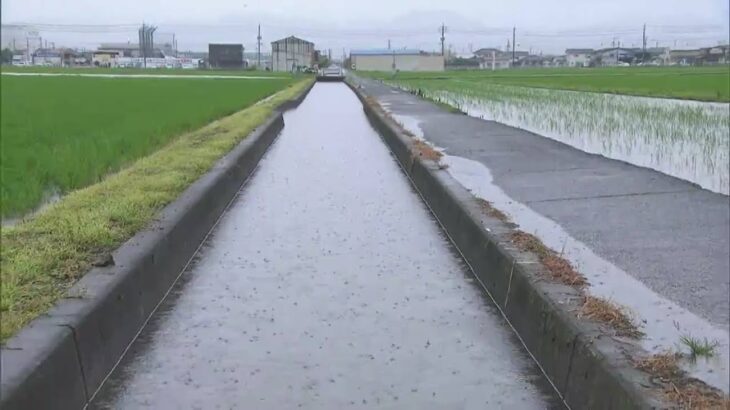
column 60, row 359
column 587, row 367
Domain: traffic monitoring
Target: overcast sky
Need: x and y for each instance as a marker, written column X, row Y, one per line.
column 542, row 25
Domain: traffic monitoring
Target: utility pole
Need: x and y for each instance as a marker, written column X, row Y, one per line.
column 258, row 49
column 443, row 37
column 514, row 38
column 173, row 45
column 643, row 39
column 388, row 44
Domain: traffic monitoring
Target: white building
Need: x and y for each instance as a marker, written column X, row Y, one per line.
column 392, row 60
column 578, row 57
column 292, row 54
column 47, row 57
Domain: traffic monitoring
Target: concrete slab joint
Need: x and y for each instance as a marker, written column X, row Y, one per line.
column 60, row 359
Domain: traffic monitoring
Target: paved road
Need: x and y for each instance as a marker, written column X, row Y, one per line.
column 669, row 234
column 327, row 284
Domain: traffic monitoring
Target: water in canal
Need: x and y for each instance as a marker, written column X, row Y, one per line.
column 327, row 284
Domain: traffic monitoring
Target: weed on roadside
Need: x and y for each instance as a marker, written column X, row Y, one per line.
column 559, row 268
column 426, row 151
column 492, row 211
column 608, row 312
column 699, row 347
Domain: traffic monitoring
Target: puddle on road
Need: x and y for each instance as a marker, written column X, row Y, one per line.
column 327, row 284
column 663, row 321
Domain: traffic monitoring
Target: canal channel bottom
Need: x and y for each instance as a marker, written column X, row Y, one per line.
column 327, row 284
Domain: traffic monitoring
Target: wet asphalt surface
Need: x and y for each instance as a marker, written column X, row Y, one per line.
column 327, row 284
column 668, row 233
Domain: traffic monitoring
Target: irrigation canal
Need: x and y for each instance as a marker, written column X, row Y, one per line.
column 327, row 284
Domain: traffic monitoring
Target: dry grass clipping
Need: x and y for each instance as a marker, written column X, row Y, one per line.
column 610, row 313
column 685, row 392
column 492, row 211
column 419, row 148
column 693, row 394
column 558, row 267
column 425, row 151
column 662, row 365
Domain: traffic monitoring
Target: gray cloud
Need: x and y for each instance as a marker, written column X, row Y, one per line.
column 547, row 26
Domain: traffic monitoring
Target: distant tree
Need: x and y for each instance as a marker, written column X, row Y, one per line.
column 7, row 56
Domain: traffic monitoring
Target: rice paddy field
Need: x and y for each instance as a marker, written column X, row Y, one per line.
column 66, row 132
column 711, row 83
column 684, row 138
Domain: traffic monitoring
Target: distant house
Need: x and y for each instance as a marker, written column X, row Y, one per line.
column 494, row 58
column 395, row 59
column 529, row 61
column 20, row 59
column 292, row 54
column 127, row 49
column 685, row 57
column 53, row 57
column 105, row 58
column 486, row 52
column 578, row 57
column 717, row 55
column 554, row 61
column 614, row 56
column 45, row 56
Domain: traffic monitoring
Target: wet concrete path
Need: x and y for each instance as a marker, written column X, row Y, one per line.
column 327, row 284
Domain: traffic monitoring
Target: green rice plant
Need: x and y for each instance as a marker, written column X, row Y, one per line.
column 699, row 347
column 64, row 133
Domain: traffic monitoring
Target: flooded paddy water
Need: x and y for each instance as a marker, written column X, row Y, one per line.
column 327, row 284
column 685, row 139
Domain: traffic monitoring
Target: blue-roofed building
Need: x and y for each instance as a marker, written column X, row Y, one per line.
column 383, row 59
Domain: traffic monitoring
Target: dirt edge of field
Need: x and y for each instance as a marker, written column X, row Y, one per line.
column 130, row 236
column 589, row 366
